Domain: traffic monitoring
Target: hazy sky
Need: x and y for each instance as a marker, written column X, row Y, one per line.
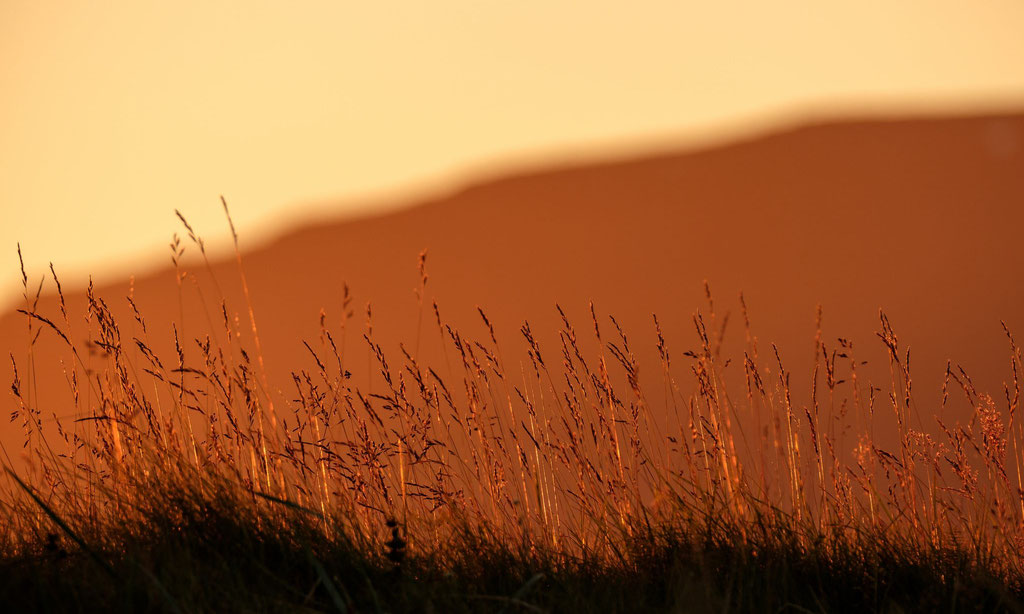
column 114, row 113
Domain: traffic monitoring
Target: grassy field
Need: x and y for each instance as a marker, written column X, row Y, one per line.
column 508, row 479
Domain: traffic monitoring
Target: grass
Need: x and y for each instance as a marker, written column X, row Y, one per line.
column 524, row 479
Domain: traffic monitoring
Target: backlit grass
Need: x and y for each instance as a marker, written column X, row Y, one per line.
column 506, row 478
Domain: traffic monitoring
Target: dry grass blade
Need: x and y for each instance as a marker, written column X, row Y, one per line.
column 63, row 525
column 332, row 590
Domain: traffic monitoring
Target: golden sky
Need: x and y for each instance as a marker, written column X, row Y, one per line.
column 115, row 113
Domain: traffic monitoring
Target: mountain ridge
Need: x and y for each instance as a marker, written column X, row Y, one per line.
column 917, row 217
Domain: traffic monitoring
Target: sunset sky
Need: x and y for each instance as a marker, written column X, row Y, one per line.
column 114, row 114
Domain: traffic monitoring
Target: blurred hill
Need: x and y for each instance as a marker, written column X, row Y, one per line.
column 920, row 217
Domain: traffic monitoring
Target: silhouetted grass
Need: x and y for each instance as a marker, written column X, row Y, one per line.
column 181, row 485
column 194, row 549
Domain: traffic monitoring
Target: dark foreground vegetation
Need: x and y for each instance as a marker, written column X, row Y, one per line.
column 198, row 547
column 180, row 484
